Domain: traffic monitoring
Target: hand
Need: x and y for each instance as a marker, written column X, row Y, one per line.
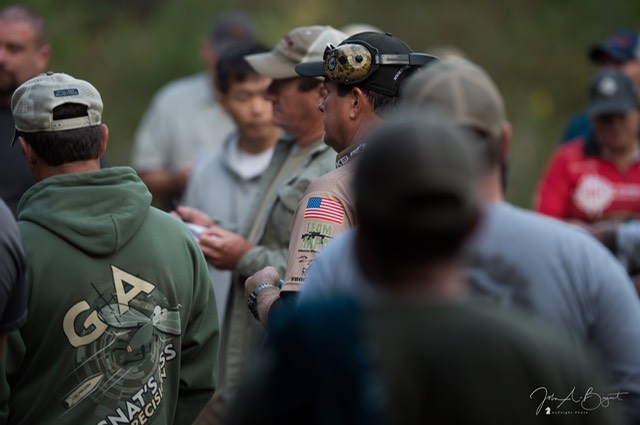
column 192, row 215
column 266, row 275
column 222, row 248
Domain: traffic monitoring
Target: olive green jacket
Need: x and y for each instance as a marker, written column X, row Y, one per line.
column 269, row 227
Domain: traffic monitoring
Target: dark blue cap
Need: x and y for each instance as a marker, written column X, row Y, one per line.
column 621, row 46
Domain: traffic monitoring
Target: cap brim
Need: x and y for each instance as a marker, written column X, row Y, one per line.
column 271, row 65
column 613, row 106
column 15, row 137
column 311, row 69
column 599, row 53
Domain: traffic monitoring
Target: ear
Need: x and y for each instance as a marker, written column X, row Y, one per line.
column 321, row 92
column 222, row 101
column 209, row 55
column 28, row 152
column 359, row 103
column 505, row 143
column 44, row 54
column 105, row 137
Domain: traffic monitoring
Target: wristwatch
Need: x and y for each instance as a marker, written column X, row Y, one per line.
column 252, row 300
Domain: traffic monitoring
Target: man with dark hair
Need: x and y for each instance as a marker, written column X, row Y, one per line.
column 297, row 160
column 122, row 322
column 620, row 51
column 518, row 258
column 225, row 183
column 24, row 53
column 362, row 76
column 184, row 120
column 418, row 353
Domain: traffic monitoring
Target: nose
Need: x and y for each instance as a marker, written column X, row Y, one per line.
column 260, row 105
column 321, row 106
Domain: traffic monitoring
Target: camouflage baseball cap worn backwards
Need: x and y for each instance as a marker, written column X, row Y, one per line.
column 32, row 103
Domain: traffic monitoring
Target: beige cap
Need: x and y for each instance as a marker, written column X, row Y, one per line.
column 33, row 102
column 300, row 45
column 462, row 89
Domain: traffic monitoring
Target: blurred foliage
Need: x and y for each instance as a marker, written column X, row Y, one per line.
column 534, row 49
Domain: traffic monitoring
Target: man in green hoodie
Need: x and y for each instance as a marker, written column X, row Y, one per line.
column 122, row 323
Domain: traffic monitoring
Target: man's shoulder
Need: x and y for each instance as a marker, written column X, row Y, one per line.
column 184, row 88
column 571, row 150
column 532, row 224
column 320, row 162
column 336, row 181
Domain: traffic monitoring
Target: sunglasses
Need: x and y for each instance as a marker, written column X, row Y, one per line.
column 355, row 62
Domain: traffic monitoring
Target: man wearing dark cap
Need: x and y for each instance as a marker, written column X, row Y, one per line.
column 588, row 183
column 184, row 121
column 517, row 257
column 122, row 323
column 363, row 76
column 420, row 353
column 621, row 50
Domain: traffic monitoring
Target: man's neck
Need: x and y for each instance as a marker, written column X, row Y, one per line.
column 255, row 146
column 623, row 159
column 310, row 134
column 45, row 171
column 490, row 186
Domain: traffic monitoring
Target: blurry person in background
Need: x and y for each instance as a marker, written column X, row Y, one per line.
column 24, row 53
column 621, row 51
column 184, row 120
column 224, row 184
column 517, row 258
column 412, row 349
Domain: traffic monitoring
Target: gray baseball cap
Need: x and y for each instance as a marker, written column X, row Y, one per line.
column 611, row 92
column 463, row 89
column 33, row 102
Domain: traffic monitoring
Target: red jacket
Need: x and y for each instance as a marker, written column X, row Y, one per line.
column 586, row 187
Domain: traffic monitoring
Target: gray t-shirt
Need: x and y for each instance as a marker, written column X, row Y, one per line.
column 558, row 272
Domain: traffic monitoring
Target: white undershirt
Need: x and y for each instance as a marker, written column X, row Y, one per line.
column 246, row 164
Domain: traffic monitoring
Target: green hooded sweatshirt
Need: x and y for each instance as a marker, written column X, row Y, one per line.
column 122, row 325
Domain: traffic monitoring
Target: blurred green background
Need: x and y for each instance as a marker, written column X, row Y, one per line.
column 534, row 49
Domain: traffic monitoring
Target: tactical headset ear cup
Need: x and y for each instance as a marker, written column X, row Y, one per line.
column 354, row 62
column 349, row 63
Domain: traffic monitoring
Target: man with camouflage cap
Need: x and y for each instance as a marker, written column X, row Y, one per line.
column 363, row 76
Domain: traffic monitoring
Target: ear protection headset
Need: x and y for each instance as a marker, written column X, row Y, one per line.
column 355, row 62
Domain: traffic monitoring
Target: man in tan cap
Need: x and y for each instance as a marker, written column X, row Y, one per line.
column 296, row 162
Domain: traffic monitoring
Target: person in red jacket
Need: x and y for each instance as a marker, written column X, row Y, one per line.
column 594, row 183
